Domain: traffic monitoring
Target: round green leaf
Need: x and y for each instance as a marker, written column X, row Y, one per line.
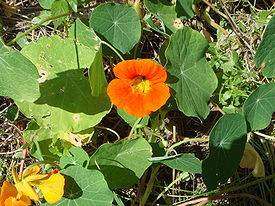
column 76, row 156
column 18, row 76
column 119, row 24
column 66, row 103
column 259, row 106
column 190, row 75
column 266, row 51
column 183, row 162
column 226, row 143
column 84, row 187
column 127, row 157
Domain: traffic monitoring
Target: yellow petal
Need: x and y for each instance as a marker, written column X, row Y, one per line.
column 52, row 188
column 14, row 175
column 26, row 189
column 33, row 178
column 32, row 171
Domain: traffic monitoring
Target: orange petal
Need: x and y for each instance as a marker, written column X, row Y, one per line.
column 7, row 190
column 52, row 188
column 156, row 97
column 118, row 90
column 129, row 69
column 12, row 201
column 135, row 106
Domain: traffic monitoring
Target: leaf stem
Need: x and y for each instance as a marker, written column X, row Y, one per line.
column 150, row 185
column 111, row 47
column 134, row 127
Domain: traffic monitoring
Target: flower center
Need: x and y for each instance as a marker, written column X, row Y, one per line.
column 140, row 85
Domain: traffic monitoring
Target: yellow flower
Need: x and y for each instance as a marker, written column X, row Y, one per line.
column 51, row 184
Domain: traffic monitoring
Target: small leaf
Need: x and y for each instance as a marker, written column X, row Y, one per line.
column 12, row 113
column 259, row 106
column 129, row 119
column 127, row 157
column 266, row 51
column 184, row 8
column 251, row 159
column 84, row 187
column 166, row 11
column 18, row 76
column 182, row 162
column 119, row 24
column 73, row 4
column 59, row 7
column 46, row 4
column 77, row 156
column 190, row 75
column 226, row 143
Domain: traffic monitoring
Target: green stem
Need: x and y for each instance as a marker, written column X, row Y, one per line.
column 111, row 47
column 44, row 21
column 150, row 185
column 110, row 130
column 182, row 142
column 134, row 127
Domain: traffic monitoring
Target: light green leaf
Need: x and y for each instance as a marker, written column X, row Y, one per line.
column 97, row 76
column 66, row 104
column 190, row 75
column 226, row 143
column 119, row 24
column 182, row 162
column 73, row 4
column 76, row 156
column 127, row 157
column 259, row 106
column 166, row 11
column 46, row 4
column 129, row 119
column 18, row 76
column 84, row 35
column 266, row 51
column 59, row 7
column 42, row 16
column 84, row 187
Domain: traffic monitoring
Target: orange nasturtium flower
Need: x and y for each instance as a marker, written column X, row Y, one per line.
column 51, row 186
column 140, row 88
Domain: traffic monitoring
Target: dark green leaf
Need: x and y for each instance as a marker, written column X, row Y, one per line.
column 12, row 113
column 259, row 106
column 184, row 8
column 84, row 187
column 190, row 75
column 76, row 156
column 119, row 24
column 127, row 157
column 266, row 51
column 18, row 76
column 226, row 143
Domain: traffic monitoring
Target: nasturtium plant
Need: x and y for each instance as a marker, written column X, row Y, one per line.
column 127, row 157
column 259, row 106
column 62, row 77
column 19, row 77
column 190, row 76
column 118, row 24
column 266, row 52
column 226, row 143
